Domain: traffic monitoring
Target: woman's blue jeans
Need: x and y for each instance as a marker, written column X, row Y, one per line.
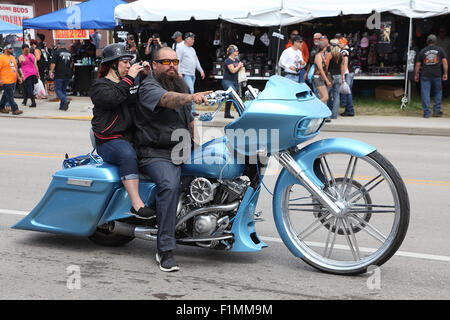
column 121, row 153
column 226, row 84
column 347, row 99
column 333, row 94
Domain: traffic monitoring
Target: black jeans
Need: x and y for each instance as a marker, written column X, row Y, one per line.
column 8, row 96
column 28, row 88
column 167, row 178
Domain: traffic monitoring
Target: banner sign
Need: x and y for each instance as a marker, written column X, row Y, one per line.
column 72, row 34
column 15, row 14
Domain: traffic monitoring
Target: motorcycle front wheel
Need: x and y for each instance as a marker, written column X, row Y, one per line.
column 371, row 227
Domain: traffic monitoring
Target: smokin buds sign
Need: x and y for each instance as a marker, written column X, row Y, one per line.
column 15, row 14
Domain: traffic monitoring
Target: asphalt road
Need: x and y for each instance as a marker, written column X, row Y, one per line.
column 45, row 266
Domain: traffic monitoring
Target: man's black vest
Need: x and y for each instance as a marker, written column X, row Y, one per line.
column 153, row 136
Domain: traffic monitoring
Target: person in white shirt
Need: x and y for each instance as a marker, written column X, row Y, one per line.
column 291, row 59
column 177, row 38
column 189, row 63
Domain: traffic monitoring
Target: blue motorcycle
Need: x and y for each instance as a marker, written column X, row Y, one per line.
column 338, row 204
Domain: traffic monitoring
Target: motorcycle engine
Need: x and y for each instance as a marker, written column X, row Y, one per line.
column 205, row 225
column 199, row 193
column 202, row 190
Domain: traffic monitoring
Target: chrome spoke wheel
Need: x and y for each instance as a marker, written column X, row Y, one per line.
column 370, row 227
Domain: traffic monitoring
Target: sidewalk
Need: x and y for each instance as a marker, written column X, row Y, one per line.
column 80, row 108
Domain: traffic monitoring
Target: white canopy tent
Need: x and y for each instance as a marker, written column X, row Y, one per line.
column 181, row 10
column 265, row 13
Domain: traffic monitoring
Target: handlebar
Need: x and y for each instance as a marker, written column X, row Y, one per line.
column 217, row 97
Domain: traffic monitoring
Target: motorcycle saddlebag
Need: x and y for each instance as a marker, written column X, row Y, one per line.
column 75, row 200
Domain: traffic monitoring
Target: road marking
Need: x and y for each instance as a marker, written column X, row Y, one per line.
column 14, row 212
column 31, row 154
column 71, row 117
column 314, row 244
column 370, row 250
column 268, row 172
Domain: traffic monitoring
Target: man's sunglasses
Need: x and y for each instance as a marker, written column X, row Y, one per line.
column 167, row 62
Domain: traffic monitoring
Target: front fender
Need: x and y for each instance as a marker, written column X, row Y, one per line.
column 306, row 156
column 305, row 159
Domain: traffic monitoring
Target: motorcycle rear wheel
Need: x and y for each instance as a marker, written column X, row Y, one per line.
column 104, row 237
column 348, row 243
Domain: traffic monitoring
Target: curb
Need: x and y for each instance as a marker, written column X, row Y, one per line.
column 406, row 128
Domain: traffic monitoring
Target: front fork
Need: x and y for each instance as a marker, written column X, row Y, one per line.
column 288, row 162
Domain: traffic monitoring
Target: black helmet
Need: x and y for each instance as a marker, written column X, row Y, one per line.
column 115, row 51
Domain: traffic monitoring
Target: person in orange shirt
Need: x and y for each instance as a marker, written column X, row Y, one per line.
column 8, row 77
column 304, row 49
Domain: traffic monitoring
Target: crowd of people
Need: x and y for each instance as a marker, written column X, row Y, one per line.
column 36, row 65
column 324, row 66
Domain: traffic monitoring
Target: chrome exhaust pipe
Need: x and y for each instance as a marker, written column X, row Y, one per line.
column 224, row 207
column 147, row 233
column 139, row 232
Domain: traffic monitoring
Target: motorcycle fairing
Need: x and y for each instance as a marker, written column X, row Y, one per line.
column 281, row 107
column 243, row 229
column 305, row 158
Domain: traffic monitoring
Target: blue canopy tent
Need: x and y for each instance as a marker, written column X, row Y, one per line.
column 93, row 14
column 6, row 27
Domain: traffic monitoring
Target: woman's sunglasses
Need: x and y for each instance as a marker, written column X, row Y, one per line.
column 167, row 62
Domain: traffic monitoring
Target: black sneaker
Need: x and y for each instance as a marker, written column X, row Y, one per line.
column 166, row 261
column 438, row 115
column 143, row 213
column 195, row 114
column 347, row 114
column 65, row 106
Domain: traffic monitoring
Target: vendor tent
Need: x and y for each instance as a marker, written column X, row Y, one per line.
column 429, row 8
column 181, row 10
column 93, row 14
column 265, row 13
column 6, row 27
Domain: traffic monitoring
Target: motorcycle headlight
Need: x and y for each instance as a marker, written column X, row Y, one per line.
column 309, row 126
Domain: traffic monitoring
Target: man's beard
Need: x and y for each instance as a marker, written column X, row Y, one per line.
column 172, row 82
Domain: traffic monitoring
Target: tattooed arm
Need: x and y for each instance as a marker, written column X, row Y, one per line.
column 174, row 100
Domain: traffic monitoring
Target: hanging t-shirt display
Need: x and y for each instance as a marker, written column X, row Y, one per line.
column 385, row 37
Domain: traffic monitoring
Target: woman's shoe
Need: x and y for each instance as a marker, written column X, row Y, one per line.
column 229, row 116
column 143, row 213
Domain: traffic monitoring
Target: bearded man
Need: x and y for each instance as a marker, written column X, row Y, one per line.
column 164, row 107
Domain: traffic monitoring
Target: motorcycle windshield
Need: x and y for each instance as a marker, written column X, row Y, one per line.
column 278, row 118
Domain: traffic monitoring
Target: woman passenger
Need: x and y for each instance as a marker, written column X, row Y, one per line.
column 112, row 124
